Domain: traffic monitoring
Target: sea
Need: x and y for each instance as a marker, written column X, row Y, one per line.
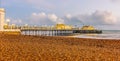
column 107, row 34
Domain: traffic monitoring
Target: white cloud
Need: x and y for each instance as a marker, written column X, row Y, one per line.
column 99, row 19
column 7, row 20
column 40, row 15
column 37, row 18
column 96, row 18
column 60, row 21
column 14, row 21
column 46, row 19
column 52, row 17
column 69, row 16
column 114, row 0
column 34, row 14
column 55, row 19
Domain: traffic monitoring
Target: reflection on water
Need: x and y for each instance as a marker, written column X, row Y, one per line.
column 99, row 36
column 108, row 34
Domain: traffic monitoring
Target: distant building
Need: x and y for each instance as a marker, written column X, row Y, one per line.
column 2, row 18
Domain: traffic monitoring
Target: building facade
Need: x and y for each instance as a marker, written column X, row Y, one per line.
column 2, row 18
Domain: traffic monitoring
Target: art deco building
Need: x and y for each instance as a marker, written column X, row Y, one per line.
column 2, row 18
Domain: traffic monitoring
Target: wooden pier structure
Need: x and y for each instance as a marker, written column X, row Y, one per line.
column 56, row 32
column 47, row 32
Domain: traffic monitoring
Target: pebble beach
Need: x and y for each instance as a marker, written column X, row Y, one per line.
column 46, row 48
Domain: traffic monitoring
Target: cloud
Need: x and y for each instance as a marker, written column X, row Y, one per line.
column 14, row 21
column 55, row 19
column 44, row 19
column 114, row 0
column 69, row 16
column 73, row 20
column 52, row 17
column 100, row 17
column 95, row 18
column 38, row 16
column 41, row 15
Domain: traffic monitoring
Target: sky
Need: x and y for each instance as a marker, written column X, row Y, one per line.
column 103, row 14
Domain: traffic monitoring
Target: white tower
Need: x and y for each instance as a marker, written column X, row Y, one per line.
column 2, row 18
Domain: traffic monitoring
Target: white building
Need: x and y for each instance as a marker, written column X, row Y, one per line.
column 2, row 18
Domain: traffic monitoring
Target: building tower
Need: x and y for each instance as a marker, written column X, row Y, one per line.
column 2, row 18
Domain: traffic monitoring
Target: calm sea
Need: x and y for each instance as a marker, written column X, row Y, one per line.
column 107, row 34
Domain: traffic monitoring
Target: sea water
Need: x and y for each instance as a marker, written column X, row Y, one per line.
column 107, row 34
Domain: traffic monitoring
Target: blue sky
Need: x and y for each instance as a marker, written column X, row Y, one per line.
column 104, row 14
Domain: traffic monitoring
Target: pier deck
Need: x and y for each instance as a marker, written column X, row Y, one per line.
column 56, row 32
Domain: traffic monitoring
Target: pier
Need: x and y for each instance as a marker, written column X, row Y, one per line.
column 55, row 32
column 46, row 32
